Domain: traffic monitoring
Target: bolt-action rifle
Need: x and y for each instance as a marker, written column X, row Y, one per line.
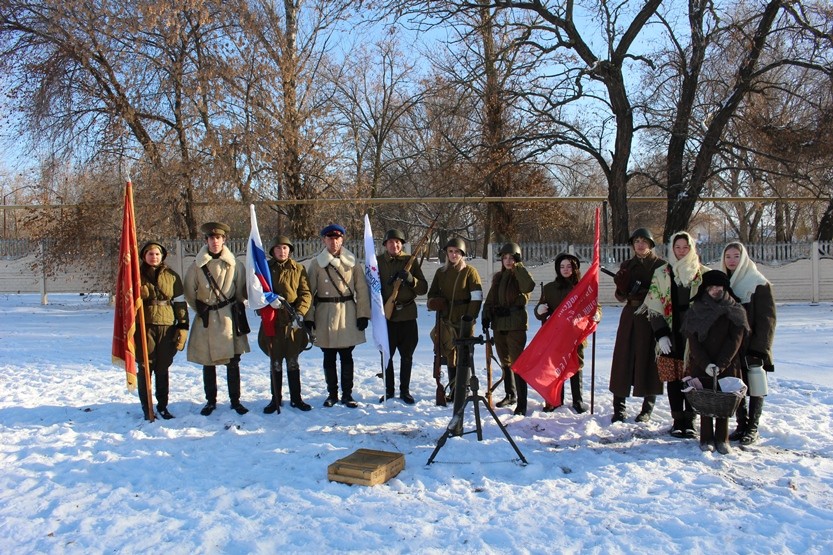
column 390, row 304
column 438, row 362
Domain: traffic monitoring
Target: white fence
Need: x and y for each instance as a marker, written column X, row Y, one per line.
column 800, row 272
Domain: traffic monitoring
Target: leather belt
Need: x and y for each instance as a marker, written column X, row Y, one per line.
column 220, row 305
column 333, row 299
column 159, row 303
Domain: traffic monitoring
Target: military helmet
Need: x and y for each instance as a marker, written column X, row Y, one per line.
column 457, row 243
column 282, row 240
column 394, row 234
column 510, row 248
column 643, row 232
column 150, row 244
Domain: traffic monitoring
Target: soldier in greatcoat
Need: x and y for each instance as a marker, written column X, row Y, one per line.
column 213, row 340
column 340, row 311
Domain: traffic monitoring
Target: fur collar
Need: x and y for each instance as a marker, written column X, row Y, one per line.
column 705, row 311
column 204, row 257
column 346, row 259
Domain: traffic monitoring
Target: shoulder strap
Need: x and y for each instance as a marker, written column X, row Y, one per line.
column 213, row 283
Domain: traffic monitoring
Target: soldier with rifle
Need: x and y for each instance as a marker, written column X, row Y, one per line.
column 402, row 281
column 456, row 292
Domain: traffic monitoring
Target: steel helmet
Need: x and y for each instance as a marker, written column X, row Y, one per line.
column 643, row 232
column 510, row 248
column 457, row 243
column 394, row 234
column 282, row 240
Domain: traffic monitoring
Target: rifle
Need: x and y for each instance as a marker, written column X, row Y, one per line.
column 298, row 322
column 390, row 304
column 489, row 387
column 438, row 362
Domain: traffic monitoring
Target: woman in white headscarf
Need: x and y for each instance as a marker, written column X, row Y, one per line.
column 755, row 294
column 673, row 286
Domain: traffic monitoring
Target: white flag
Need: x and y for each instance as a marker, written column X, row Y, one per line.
column 377, row 307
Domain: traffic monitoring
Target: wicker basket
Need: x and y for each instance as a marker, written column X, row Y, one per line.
column 713, row 403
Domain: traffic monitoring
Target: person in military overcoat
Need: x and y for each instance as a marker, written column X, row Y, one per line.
column 213, row 340
column 634, row 361
column 456, row 292
column 403, row 334
column 166, row 323
column 281, row 337
column 340, row 311
column 505, row 312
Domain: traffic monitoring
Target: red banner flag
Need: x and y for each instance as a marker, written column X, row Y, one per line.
column 128, row 294
column 550, row 359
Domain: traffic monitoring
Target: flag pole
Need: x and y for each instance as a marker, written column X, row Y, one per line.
column 140, row 313
column 593, row 374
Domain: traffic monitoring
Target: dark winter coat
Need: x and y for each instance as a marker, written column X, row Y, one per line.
column 715, row 331
column 760, row 313
column 508, row 296
column 634, row 360
column 405, row 307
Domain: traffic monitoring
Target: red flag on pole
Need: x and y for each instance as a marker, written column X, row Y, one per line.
column 128, row 294
column 551, row 358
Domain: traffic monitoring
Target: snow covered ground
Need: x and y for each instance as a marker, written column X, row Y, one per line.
column 83, row 473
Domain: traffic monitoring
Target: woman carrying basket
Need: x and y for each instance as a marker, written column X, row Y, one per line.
column 715, row 327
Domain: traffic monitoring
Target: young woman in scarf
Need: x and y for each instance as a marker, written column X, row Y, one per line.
column 715, row 326
column 672, row 288
column 755, row 294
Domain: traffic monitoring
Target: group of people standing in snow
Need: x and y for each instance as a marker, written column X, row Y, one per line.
column 718, row 322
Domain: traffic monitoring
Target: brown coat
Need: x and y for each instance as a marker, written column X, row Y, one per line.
column 405, row 299
column 289, row 280
column 634, row 363
column 507, row 299
column 215, row 344
column 720, row 345
column 760, row 312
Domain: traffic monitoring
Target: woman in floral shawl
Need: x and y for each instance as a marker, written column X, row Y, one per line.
column 673, row 286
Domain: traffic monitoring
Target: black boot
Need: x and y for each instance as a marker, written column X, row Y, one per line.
column 756, row 406
column 233, row 378
column 293, row 376
column 452, row 381
column 389, row 383
column 742, row 418
column 509, row 386
column 405, row 380
column 331, row 377
column 648, row 403
column 678, row 427
column 618, row 409
column 523, row 392
column 689, row 432
column 721, row 436
column 575, row 390
column 706, row 434
column 276, row 383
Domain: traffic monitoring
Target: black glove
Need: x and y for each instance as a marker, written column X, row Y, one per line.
column 486, row 324
column 406, row 277
column 501, row 311
column 622, row 281
column 361, row 323
column 309, row 324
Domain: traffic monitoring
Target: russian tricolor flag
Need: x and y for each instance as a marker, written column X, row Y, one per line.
column 259, row 278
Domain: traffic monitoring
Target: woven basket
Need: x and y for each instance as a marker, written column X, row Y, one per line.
column 713, row 403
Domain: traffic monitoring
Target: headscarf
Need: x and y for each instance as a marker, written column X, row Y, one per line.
column 746, row 277
column 688, row 267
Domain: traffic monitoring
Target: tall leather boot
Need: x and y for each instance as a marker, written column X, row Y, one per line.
column 405, row 366
column 575, row 390
column 523, row 392
column 756, row 406
column 452, row 382
column 293, row 376
column 461, row 384
column 209, row 384
column 389, row 383
column 347, row 381
column 677, row 429
column 707, row 434
column 509, row 386
column 648, row 403
column 721, row 436
column 331, row 377
column 233, row 378
column 276, row 386
column 742, row 419
column 143, row 391
column 618, row 409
